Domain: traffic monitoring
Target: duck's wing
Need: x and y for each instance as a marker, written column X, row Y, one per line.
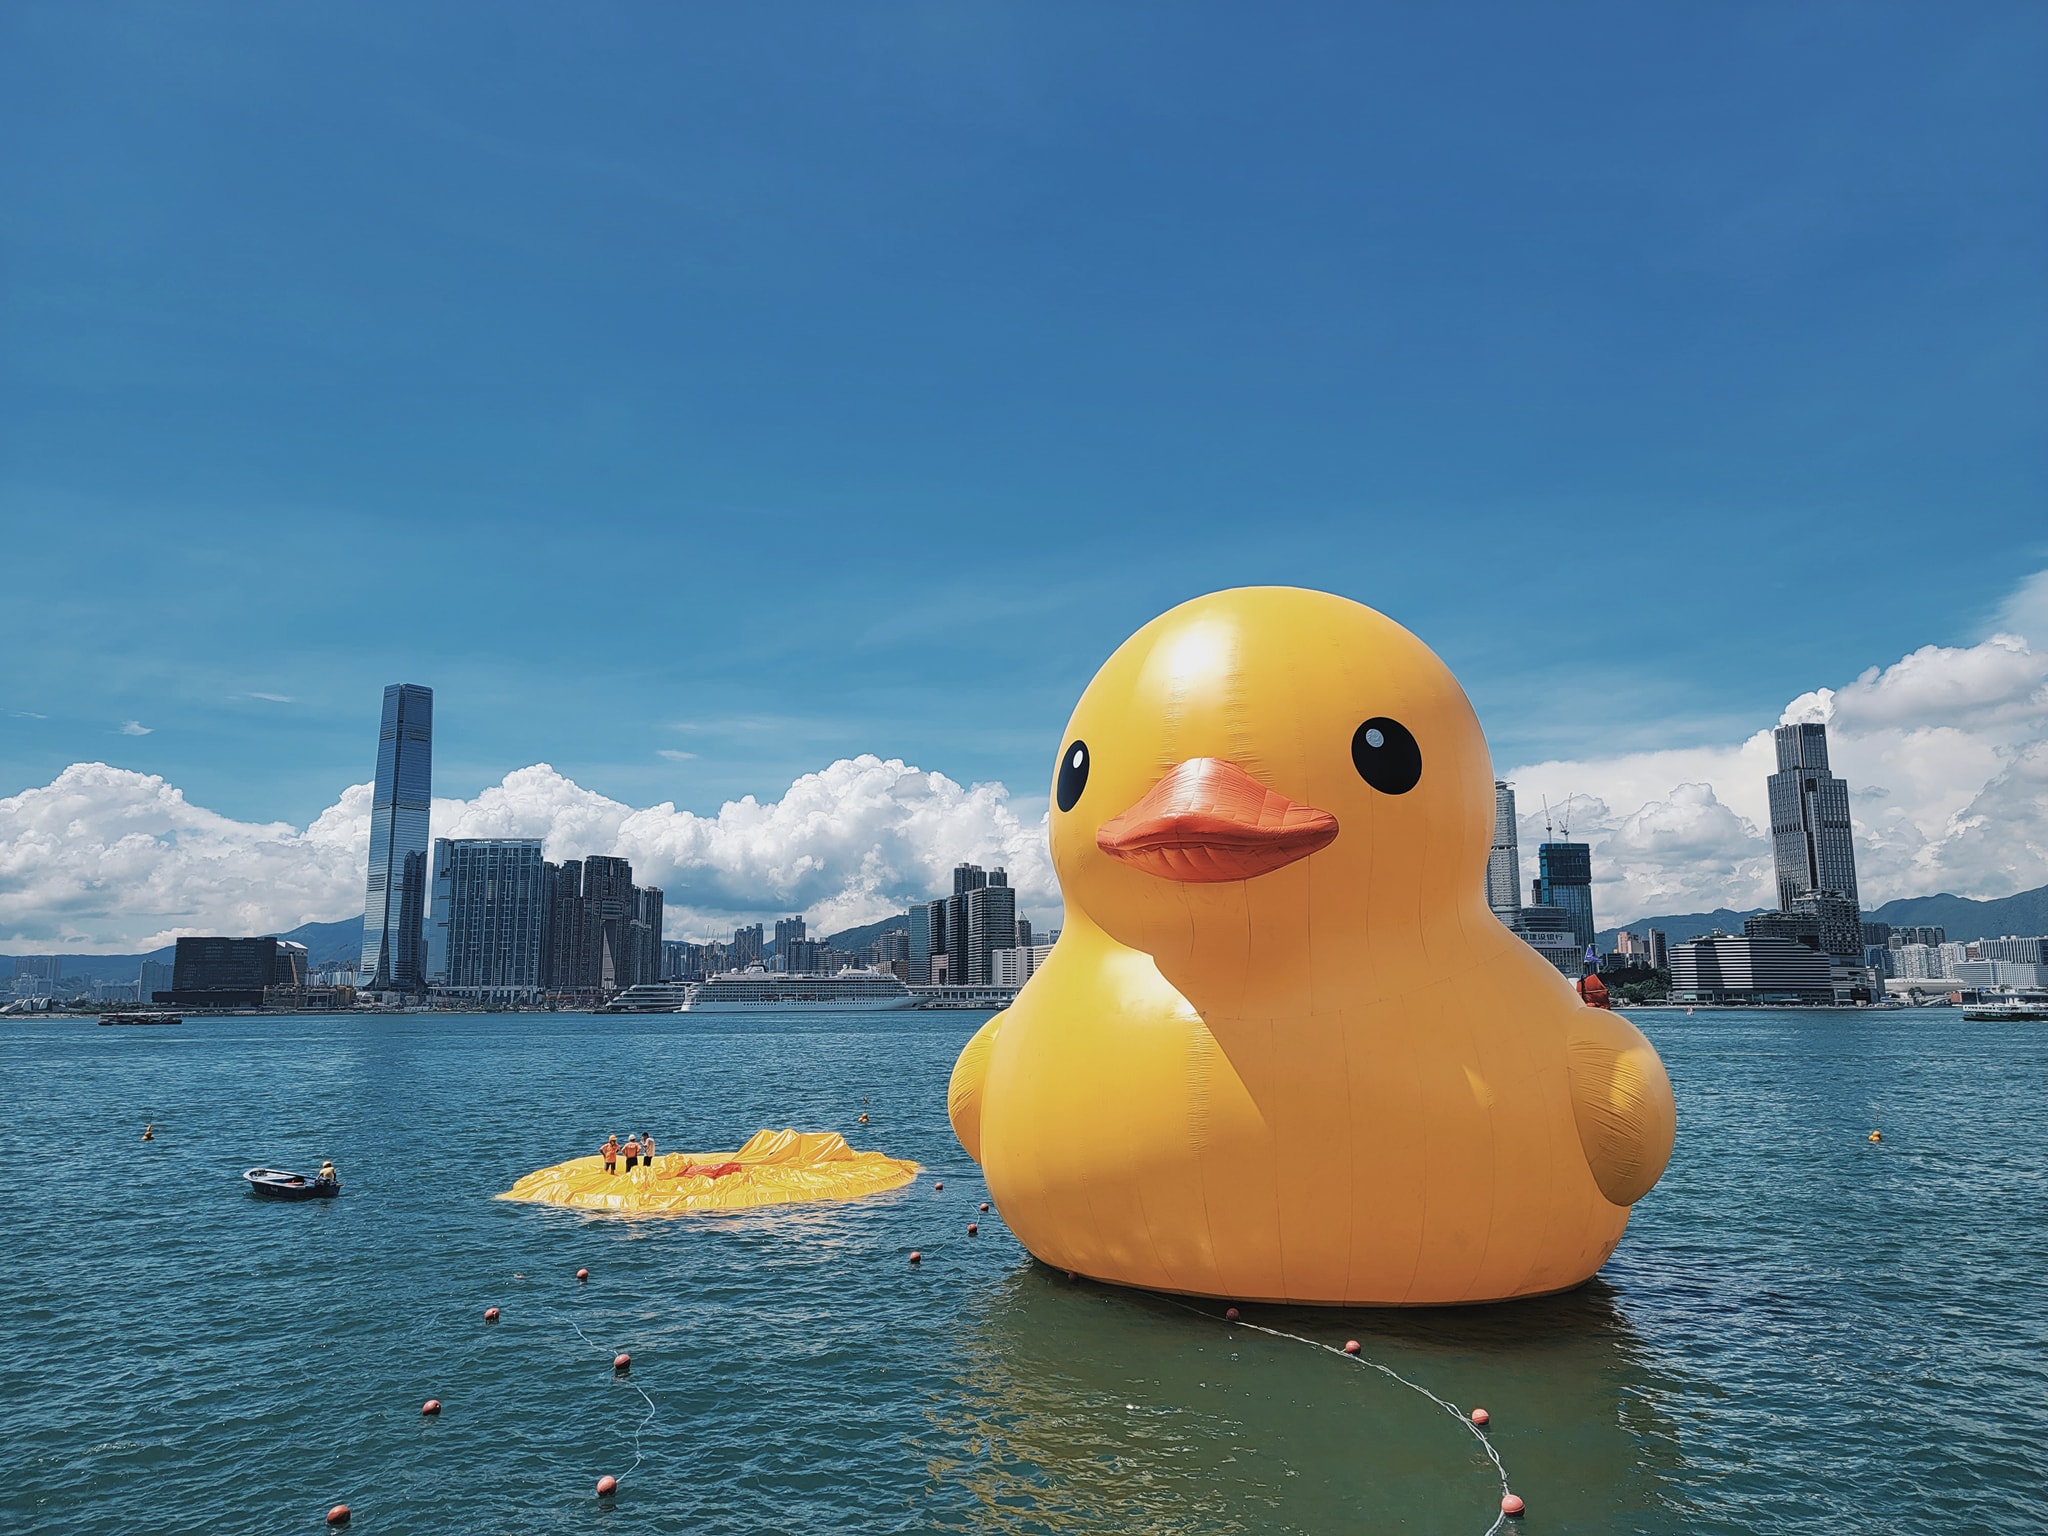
column 963, row 1093
column 1621, row 1100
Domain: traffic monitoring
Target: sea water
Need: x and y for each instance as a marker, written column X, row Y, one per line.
column 1802, row 1330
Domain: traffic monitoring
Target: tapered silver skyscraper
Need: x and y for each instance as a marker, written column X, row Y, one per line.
column 1811, row 841
column 1504, row 863
column 395, row 906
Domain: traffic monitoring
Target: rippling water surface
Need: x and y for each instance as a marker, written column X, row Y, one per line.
column 1802, row 1331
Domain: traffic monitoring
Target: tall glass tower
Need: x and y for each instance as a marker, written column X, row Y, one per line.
column 1565, row 881
column 1504, row 861
column 1811, row 841
column 395, row 907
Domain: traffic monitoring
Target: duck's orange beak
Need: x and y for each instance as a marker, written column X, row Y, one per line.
column 1209, row 820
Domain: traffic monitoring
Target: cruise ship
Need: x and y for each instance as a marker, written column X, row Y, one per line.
column 755, row 990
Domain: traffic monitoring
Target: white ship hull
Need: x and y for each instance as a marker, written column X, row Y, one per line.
column 792, row 1005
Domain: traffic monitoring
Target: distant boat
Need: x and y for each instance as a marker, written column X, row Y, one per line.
column 2029, row 1011
column 281, row 1184
column 760, row 991
column 141, row 1018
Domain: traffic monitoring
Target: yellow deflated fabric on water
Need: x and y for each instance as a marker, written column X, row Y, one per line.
column 773, row 1168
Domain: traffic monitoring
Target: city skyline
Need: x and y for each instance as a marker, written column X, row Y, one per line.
column 102, row 855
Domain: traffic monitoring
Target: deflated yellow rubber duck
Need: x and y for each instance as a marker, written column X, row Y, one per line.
column 1283, row 1050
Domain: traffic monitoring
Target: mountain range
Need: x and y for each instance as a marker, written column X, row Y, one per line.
column 1965, row 918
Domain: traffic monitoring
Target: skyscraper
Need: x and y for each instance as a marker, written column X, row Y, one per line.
column 927, row 937
column 991, row 925
column 1504, row 863
column 1811, row 843
column 1565, row 880
column 490, row 918
column 395, row 904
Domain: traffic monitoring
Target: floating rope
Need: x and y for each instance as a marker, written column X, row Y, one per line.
column 1452, row 1409
column 586, row 1338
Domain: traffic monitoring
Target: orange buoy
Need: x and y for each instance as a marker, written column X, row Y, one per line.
column 622, row 1361
column 1511, row 1504
column 916, row 1257
column 939, row 1184
column 582, row 1274
column 607, row 1486
column 863, row 1118
column 984, row 1205
column 974, row 1229
column 1351, row 1346
column 431, row 1407
column 1230, row 1314
column 338, row 1515
column 1480, row 1416
column 490, row 1314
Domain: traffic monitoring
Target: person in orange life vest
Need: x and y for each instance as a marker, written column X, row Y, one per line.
column 610, row 1151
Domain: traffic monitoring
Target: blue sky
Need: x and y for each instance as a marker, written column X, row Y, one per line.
column 772, row 385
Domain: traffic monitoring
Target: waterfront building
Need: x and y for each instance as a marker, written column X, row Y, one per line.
column 1013, row 967
column 1023, row 933
column 395, row 899
column 1504, row 863
column 1750, row 969
column 212, row 972
column 1553, row 933
column 991, row 913
column 1811, row 842
column 1565, row 881
column 746, row 947
column 2020, row 951
column 156, row 977
column 787, row 931
column 1660, row 951
column 925, row 938
column 892, row 946
column 490, row 913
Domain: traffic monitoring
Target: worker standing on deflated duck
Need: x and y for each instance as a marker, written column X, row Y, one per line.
column 1283, row 1050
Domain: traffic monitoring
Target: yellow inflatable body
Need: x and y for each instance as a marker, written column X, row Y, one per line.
column 1283, row 1050
column 773, row 1168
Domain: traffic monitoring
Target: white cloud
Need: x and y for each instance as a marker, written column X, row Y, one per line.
column 675, row 754
column 103, row 859
column 135, row 728
column 1945, row 751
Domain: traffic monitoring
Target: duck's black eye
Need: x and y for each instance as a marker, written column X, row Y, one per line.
column 1073, row 774
column 1386, row 756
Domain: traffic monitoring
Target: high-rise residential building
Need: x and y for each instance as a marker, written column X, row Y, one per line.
column 395, row 901
column 1811, row 842
column 1931, row 933
column 746, row 946
column 991, row 912
column 491, row 905
column 789, row 932
column 1504, row 863
column 1023, row 933
column 1660, row 952
column 1565, row 881
column 563, row 944
column 611, row 904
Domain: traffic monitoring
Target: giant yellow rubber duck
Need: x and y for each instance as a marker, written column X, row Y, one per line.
column 1283, row 1050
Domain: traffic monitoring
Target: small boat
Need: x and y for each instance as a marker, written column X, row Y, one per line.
column 140, row 1018
column 281, row 1184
